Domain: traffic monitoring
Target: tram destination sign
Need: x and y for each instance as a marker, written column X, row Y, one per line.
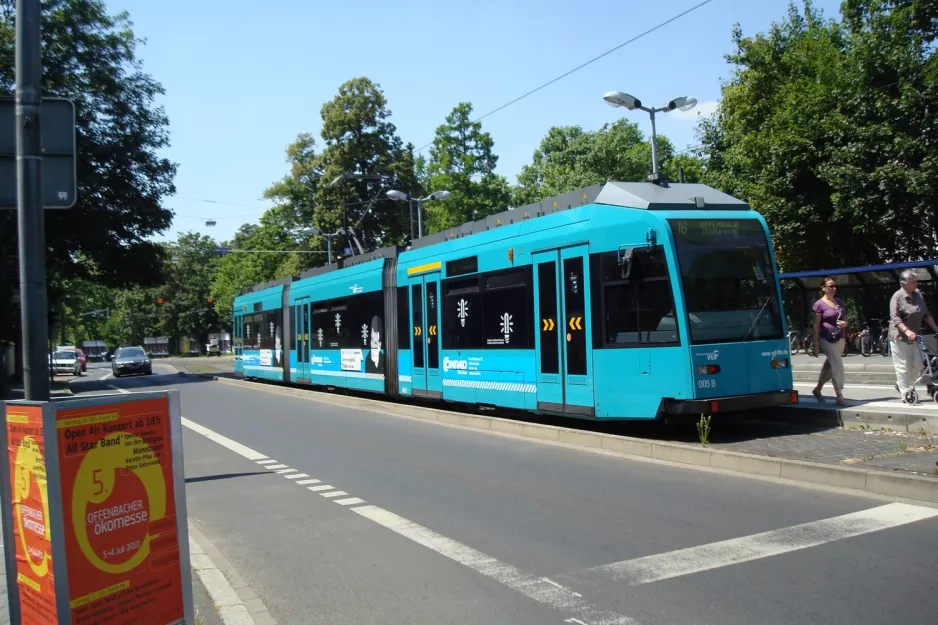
column 59, row 173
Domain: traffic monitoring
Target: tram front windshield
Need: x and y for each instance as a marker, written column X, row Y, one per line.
column 729, row 284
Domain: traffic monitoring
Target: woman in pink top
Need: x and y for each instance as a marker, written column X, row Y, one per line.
column 830, row 325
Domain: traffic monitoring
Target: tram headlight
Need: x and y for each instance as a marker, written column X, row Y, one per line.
column 708, row 369
column 780, row 363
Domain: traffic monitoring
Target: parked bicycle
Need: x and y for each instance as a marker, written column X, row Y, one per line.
column 863, row 341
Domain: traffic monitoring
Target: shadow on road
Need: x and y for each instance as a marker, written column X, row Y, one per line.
column 223, row 476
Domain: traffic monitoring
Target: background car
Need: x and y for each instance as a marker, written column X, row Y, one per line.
column 129, row 360
column 82, row 359
column 65, row 361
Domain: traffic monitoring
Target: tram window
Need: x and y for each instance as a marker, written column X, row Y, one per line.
column 294, row 328
column 433, row 347
column 362, row 310
column 319, row 329
column 338, row 328
column 403, row 319
column 269, row 329
column 640, row 310
column 416, row 303
column 575, row 307
column 462, row 314
column 547, row 299
column 507, row 311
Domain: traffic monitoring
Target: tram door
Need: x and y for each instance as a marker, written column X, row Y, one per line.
column 564, row 349
column 301, row 329
column 427, row 380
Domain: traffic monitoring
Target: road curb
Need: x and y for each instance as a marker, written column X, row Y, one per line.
column 870, row 481
column 234, row 600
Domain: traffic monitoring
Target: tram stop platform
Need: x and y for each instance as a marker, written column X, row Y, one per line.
column 872, row 400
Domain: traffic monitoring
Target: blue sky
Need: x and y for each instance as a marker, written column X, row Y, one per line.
column 242, row 78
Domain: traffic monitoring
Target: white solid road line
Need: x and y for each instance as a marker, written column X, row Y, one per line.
column 725, row 553
column 536, row 588
column 106, row 376
column 224, row 441
column 119, row 389
column 545, row 592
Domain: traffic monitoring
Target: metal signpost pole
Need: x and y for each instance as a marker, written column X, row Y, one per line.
column 31, row 217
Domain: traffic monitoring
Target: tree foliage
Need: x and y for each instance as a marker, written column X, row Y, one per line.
column 462, row 161
column 187, row 290
column 90, row 57
column 571, row 158
column 360, row 139
column 825, row 128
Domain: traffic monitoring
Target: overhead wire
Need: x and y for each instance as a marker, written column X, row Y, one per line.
column 589, row 62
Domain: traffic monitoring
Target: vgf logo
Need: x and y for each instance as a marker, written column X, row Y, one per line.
column 451, row 364
column 714, row 355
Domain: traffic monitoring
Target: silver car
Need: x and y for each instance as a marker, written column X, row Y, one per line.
column 66, row 361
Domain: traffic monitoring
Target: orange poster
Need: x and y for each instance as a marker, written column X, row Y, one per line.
column 31, row 529
column 121, row 545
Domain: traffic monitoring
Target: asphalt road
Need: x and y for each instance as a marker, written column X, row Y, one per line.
column 418, row 523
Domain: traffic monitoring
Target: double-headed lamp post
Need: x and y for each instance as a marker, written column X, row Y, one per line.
column 400, row 196
column 683, row 103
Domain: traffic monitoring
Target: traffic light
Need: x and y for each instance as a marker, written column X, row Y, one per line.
column 159, row 301
column 211, row 299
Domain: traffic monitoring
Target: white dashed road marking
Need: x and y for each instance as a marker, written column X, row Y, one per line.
column 119, row 389
column 268, row 461
column 351, row 501
column 634, row 572
column 545, row 592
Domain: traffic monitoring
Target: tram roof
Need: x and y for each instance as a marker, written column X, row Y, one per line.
column 865, row 275
column 640, row 195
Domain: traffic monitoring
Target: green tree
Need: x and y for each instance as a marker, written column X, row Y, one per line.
column 886, row 172
column 360, row 139
column 137, row 314
column 90, row 57
column 825, row 128
column 570, row 158
column 462, row 161
column 241, row 268
column 187, row 291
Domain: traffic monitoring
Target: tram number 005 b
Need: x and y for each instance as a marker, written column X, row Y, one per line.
column 706, row 383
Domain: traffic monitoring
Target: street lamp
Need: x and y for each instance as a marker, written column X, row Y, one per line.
column 400, row 196
column 618, row 99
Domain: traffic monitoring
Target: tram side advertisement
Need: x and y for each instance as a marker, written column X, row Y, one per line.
column 121, row 540
column 32, row 542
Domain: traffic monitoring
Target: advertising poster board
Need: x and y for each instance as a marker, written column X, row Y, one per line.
column 116, row 515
